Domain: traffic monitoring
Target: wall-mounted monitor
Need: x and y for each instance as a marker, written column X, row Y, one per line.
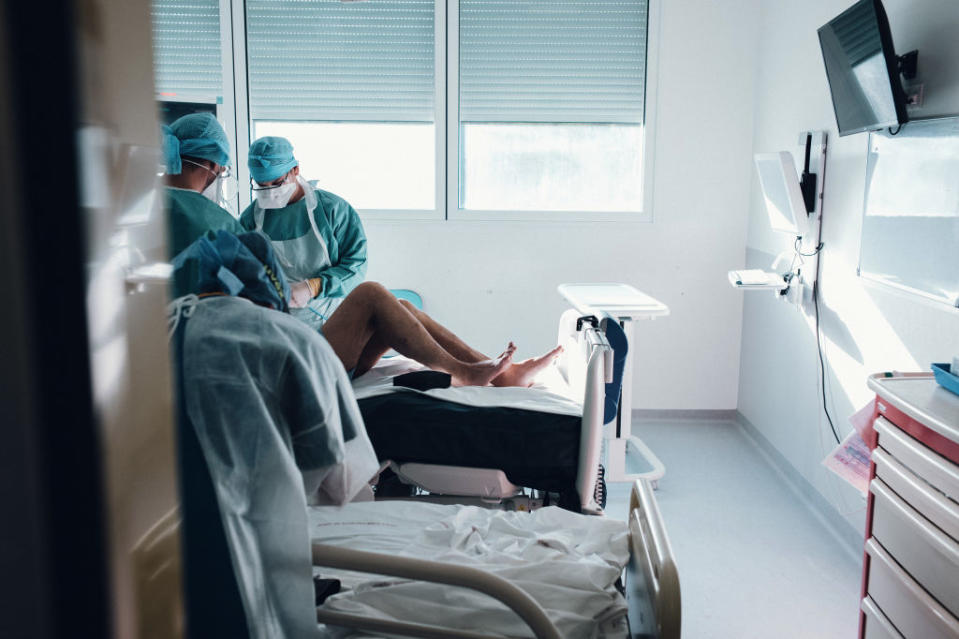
column 863, row 69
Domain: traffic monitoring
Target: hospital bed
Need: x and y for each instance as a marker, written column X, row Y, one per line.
column 226, row 580
column 511, row 447
column 650, row 582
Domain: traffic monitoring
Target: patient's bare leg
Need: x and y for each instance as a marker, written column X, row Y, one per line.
column 373, row 352
column 518, row 374
column 445, row 337
column 523, row 373
column 371, row 320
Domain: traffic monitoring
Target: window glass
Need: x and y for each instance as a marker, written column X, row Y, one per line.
column 552, row 167
column 371, row 165
column 352, row 85
column 552, row 104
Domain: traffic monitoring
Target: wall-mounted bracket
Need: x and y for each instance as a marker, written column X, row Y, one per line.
column 909, row 64
column 814, row 163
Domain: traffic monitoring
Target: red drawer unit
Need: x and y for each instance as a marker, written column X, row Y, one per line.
column 910, row 584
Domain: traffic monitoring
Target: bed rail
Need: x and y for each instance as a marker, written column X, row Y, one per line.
column 652, row 581
column 424, row 570
column 599, row 371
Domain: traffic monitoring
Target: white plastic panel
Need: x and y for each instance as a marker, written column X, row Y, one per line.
column 877, row 626
column 619, row 300
column 921, row 398
column 780, row 186
column 591, row 428
column 910, row 212
column 919, row 458
column 930, row 556
column 903, row 601
column 458, row 480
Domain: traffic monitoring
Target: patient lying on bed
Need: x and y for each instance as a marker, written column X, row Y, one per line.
column 371, row 321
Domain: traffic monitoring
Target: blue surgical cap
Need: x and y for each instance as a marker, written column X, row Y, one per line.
column 270, row 157
column 243, row 265
column 197, row 135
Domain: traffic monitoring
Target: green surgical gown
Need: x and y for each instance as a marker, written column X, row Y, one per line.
column 339, row 225
column 190, row 215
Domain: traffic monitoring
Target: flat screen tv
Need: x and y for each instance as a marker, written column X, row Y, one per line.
column 863, row 69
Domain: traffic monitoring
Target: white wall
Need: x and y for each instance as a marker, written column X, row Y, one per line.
column 867, row 328
column 496, row 281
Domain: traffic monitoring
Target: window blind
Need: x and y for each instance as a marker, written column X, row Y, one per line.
column 565, row 61
column 186, row 47
column 341, row 61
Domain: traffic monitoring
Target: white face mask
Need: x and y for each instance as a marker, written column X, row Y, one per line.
column 222, row 189
column 276, row 197
column 212, row 192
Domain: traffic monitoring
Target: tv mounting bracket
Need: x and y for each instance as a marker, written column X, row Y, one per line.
column 908, row 64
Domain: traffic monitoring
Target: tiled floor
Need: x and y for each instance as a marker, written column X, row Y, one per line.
column 753, row 560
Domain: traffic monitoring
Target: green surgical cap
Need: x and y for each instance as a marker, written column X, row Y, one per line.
column 197, row 135
column 270, row 157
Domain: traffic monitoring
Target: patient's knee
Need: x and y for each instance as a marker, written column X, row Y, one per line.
column 371, row 291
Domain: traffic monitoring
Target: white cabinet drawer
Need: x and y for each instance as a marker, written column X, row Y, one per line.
column 877, row 626
column 926, row 553
column 919, row 458
column 903, row 602
column 926, row 500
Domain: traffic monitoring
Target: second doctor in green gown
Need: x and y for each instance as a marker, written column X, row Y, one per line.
column 197, row 157
column 317, row 236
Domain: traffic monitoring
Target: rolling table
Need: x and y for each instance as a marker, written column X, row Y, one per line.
column 627, row 305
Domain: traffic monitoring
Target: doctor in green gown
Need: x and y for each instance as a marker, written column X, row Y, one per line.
column 317, row 236
column 197, row 157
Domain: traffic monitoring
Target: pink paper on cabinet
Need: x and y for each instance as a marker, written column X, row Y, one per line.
column 863, row 419
column 850, row 460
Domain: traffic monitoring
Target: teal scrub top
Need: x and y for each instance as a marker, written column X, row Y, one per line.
column 190, row 215
column 339, row 225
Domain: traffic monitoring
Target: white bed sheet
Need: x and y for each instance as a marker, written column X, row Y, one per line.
column 567, row 562
column 549, row 393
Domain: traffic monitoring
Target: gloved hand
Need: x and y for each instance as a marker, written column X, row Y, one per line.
column 300, row 294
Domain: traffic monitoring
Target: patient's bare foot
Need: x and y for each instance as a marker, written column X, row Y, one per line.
column 523, row 373
column 482, row 373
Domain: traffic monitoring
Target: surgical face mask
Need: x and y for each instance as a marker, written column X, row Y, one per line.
column 212, row 191
column 275, row 197
column 222, row 189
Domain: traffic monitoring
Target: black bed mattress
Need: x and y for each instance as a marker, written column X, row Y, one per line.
column 534, row 449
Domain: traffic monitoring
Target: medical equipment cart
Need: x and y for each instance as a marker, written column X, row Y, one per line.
column 910, row 584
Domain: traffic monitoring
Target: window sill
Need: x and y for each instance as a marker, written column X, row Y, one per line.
column 463, row 215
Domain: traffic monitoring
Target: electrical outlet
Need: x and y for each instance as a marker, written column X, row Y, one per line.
column 914, row 95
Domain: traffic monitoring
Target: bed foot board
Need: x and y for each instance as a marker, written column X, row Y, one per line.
column 652, row 580
column 433, row 571
column 619, row 449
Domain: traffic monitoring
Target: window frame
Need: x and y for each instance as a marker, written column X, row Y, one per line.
column 446, row 123
column 453, row 209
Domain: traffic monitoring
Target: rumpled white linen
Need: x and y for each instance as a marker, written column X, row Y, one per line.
column 567, row 562
column 549, row 394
